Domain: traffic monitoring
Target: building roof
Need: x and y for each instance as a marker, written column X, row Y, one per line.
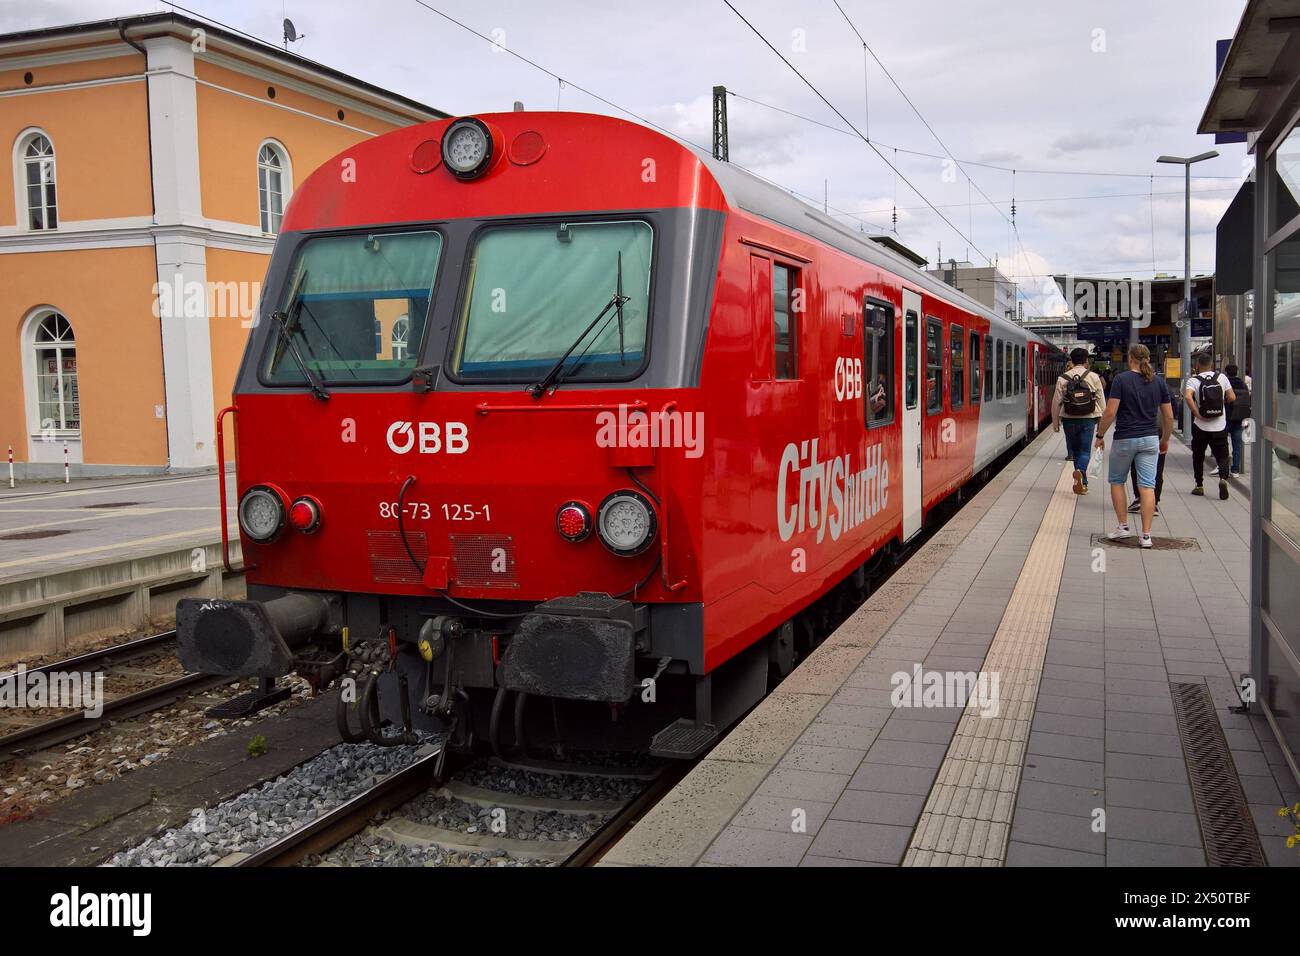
column 1260, row 71
column 133, row 29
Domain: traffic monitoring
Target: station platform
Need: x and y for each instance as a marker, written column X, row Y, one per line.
column 99, row 557
column 1108, row 739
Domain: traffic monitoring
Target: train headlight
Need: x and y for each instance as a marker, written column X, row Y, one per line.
column 261, row 513
column 467, row 148
column 626, row 523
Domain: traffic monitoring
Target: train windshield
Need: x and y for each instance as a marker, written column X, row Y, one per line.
column 355, row 308
column 533, row 289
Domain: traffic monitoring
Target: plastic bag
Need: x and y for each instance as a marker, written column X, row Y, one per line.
column 1094, row 465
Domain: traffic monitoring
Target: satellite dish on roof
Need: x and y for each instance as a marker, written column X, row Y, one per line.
column 291, row 33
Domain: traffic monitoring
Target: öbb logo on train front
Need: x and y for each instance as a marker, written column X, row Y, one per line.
column 429, row 438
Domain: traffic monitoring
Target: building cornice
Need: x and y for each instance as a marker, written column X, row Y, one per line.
column 134, row 231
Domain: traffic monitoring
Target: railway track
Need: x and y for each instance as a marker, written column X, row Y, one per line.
column 112, row 661
column 381, row 807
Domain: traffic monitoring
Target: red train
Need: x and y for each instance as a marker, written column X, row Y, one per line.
column 553, row 429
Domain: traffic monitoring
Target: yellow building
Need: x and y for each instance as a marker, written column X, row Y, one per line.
column 152, row 157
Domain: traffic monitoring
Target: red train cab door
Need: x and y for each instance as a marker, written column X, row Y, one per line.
column 911, row 417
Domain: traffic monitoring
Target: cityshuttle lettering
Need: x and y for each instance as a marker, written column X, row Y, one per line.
column 828, row 495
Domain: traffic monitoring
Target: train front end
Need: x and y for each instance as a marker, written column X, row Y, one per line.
column 470, row 438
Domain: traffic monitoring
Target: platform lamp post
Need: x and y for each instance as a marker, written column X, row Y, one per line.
column 1185, row 328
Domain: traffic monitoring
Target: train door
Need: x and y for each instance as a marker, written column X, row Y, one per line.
column 1035, row 377
column 911, row 416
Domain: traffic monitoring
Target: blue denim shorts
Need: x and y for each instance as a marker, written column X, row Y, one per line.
column 1143, row 452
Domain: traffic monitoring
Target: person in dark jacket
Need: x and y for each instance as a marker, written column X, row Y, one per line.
column 1237, row 415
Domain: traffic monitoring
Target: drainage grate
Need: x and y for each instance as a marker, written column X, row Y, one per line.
column 1227, row 829
column 1158, row 544
column 114, row 504
column 34, row 535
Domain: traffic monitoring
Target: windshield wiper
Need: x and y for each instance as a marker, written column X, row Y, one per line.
column 616, row 302
column 286, row 337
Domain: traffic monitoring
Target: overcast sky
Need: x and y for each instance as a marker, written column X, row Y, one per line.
column 1038, row 85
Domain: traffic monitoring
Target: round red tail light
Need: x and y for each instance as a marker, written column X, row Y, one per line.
column 304, row 515
column 573, row 521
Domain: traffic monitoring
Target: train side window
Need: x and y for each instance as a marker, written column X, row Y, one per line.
column 957, row 359
column 910, row 360
column 786, row 306
column 975, row 367
column 990, row 367
column 1282, row 365
column 1023, row 368
column 995, row 367
column 933, row 365
column 878, row 362
column 1008, row 383
column 1295, row 368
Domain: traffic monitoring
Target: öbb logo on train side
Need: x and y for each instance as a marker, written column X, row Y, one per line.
column 451, row 438
column 855, row 495
column 848, row 378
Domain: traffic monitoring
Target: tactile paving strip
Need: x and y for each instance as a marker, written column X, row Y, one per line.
column 967, row 816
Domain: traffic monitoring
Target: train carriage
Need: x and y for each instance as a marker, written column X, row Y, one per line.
column 554, row 429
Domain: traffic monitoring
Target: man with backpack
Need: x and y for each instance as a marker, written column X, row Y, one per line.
column 1078, row 403
column 1209, row 394
column 1238, row 412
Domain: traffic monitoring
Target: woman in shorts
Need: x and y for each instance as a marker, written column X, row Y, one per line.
column 1139, row 407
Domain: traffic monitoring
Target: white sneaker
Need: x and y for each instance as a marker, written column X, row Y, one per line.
column 1120, row 533
column 1235, row 474
column 1146, row 541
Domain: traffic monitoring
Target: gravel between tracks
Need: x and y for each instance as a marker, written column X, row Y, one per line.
column 260, row 816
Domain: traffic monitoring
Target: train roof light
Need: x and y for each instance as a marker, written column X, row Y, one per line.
column 467, row 148
column 626, row 523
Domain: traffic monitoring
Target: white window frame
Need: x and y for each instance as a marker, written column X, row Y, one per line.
column 286, row 185
column 31, row 389
column 22, row 213
column 403, row 343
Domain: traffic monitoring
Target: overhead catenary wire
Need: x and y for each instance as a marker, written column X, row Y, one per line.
column 872, row 146
column 622, row 109
column 1024, row 171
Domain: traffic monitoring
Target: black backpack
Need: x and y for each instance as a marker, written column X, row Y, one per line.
column 1209, row 402
column 1240, row 409
column 1080, row 399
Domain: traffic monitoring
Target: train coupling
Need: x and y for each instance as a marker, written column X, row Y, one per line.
column 249, row 638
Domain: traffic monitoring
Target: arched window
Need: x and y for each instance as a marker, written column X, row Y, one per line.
column 401, row 337
column 58, row 402
column 273, row 184
column 36, row 153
